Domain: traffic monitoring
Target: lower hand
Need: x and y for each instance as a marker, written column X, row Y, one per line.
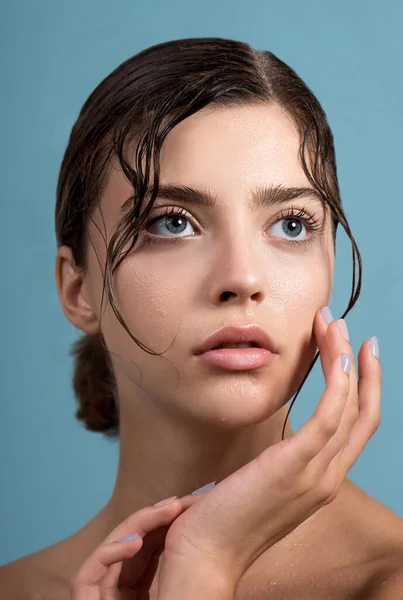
column 125, row 570
column 256, row 506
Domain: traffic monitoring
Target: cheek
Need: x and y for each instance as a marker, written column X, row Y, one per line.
column 297, row 291
column 301, row 289
column 152, row 303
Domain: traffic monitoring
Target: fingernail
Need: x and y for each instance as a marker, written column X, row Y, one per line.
column 374, row 346
column 327, row 314
column 204, row 488
column 167, row 501
column 341, row 324
column 129, row 538
column 346, row 362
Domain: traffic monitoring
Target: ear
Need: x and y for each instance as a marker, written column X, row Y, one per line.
column 72, row 293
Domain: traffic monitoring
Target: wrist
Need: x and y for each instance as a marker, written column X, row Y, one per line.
column 194, row 580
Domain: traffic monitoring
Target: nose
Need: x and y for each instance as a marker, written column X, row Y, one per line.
column 238, row 273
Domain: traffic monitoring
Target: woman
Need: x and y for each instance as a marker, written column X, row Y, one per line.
column 199, row 192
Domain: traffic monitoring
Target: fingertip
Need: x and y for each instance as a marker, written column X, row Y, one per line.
column 342, row 326
column 327, row 316
column 374, row 346
column 346, row 362
column 129, row 538
column 166, row 501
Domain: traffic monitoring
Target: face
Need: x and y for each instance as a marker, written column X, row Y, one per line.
column 209, row 267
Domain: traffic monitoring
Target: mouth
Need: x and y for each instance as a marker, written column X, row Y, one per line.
column 229, row 337
column 240, row 345
column 237, row 357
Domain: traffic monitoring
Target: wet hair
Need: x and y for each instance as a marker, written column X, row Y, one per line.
column 142, row 100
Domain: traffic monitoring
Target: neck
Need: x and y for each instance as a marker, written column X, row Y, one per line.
column 162, row 456
column 165, row 452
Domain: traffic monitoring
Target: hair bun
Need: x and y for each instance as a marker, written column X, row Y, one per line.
column 94, row 385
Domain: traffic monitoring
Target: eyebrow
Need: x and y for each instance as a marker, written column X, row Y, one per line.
column 262, row 197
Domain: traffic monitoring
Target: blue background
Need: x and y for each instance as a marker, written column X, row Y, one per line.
column 54, row 474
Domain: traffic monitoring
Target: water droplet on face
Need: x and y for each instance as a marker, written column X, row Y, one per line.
column 243, row 389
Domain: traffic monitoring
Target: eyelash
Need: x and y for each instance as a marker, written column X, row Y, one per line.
column 313, row 224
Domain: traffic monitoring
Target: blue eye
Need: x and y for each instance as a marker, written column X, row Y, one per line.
column 289, row 223
column 174, row 223
column 290, row 227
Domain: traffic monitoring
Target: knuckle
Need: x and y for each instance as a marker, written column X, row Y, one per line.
column 329, row 425
column 327, row 492
column 330, row 496
column 285, row 483
column 309, row 481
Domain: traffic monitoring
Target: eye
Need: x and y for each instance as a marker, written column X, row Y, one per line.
column 173, row 222
column 290, row 227
column 290, row 224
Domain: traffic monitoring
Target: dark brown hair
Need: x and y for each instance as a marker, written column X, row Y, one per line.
column 142, row 100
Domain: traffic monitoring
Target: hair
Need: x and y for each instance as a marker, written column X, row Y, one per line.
column 142, row 100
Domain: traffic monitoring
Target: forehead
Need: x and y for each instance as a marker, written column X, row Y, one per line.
column 237, row 147
column 228, row 150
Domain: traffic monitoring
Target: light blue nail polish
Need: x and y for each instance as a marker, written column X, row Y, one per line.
column 327, row 314
column 129, row 538
column 203, row 489
column 346, row 362
column 374, row 346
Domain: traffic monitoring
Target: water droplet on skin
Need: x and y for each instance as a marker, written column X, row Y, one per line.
column 243, row 389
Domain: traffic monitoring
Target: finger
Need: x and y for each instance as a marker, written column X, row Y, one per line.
column 332, row 339
column 110, row 552
column 350, row 412
column 146, row 519
column 320, row 326
column 147, row 578
column 140, row 567
column 189, row 500
column 326, row 432
column 288, row 458
column 108, row 586
column 306, row 443
column 369, row 399
column 105, row 563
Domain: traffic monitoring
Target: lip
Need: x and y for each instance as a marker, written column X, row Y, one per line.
column 238, row 359
column 234, row 335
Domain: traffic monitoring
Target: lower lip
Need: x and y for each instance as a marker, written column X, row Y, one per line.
column 238, row 359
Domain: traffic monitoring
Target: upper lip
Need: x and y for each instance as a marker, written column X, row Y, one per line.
column 233, row 335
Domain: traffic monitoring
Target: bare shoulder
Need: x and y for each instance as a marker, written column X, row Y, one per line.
column 375, row 534
column 386, row 580
column 27, row 579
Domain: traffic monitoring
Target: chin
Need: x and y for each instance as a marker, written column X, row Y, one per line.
column 232, row 405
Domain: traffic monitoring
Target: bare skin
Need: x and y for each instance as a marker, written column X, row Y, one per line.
column 208, row 424
column 352, row 548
